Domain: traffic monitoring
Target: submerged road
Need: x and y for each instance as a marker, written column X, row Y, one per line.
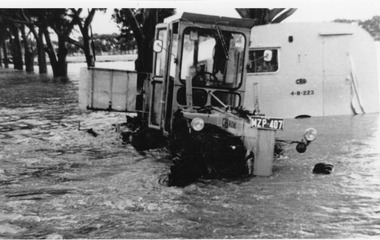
column 57, row 180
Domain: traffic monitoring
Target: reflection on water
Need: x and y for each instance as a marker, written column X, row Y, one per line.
column 56, row 180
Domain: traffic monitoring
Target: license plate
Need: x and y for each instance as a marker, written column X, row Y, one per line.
column 267, row 123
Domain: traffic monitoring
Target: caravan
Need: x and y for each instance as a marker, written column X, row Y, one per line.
column 312, row 69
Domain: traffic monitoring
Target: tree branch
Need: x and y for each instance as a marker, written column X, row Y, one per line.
column 18, row 21
column 89, row 18
column 284, row 15
column 134, row 24
column 74, row 42
column 274, row 12
column 77, row 19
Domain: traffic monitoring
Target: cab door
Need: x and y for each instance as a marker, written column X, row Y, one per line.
column 157, row 104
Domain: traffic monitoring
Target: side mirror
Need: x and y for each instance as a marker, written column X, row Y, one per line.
column 268, row 54
column 194, row 35
column 158, row 46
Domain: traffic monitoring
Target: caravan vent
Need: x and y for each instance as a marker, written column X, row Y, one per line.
column 335, row 33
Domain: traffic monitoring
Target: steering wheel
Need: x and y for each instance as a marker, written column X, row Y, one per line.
column 206, row 79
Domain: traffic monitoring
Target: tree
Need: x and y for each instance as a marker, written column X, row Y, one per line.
column 265, row 15
column 4, row 46
column 27, row 18
column 84, row 24
column 35, row 18
column 16, row 47
column 111, row 43
column 372, row 26
column 139, row 24
column 28, row 53
column 62, row 22
column 2, row 43
column 12, row 30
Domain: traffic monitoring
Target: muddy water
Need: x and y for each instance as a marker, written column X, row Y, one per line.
column 58, row 180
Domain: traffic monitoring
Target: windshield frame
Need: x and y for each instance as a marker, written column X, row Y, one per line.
column 211, row 30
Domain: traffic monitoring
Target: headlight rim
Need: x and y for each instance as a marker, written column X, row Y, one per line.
column 310, row 134
column 197, row 124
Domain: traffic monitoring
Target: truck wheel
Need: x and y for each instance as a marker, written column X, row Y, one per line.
column 147, row 139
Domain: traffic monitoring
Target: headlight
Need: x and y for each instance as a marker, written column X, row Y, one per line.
column 197, row 124
column 310, row 134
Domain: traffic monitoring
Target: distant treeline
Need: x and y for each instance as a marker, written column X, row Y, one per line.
column 49, row 33
column 371, row 25
column 107, row 43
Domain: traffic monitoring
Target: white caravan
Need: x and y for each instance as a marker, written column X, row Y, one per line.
column 312, row 69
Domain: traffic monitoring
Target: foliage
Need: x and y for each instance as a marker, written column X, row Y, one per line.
column 138, row 24
column 62, row 21
column 265, row 15
column 141, row 17
column 372, row 26
column 110, row 43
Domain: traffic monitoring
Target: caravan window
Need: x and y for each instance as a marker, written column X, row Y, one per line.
column 259, row 63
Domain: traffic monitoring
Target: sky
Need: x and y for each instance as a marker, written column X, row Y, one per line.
column 307, row 10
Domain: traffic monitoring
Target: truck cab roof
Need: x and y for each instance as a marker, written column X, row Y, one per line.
column 209, row 19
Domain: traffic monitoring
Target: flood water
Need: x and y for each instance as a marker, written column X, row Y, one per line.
column 57, row 180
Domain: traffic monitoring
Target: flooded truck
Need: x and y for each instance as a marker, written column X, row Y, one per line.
column 198, row 100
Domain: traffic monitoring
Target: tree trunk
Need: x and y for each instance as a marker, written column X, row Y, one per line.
column 5, row 51
column 28, row 55
column 41, row 57
column 88, row 51
column 41, row 52
column 62, row 53
column 144, row 60
column 1, row 46
column 2, row 43
column 149, row 29
column 88, row 48
column 84, row 27
column 59, row 66
column 144, row 39
column 51, row 53
column 16, row 49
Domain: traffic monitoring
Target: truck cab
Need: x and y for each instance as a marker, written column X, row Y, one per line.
column 205, row 53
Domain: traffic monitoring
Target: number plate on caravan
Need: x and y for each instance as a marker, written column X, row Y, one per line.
column 267, row 123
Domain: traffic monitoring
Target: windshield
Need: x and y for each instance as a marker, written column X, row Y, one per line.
column 212, row 58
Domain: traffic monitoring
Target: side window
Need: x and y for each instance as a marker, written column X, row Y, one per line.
column 199, row 97
column 160, row 57
column 228, row 98
column 173, row 54
column 259, row 62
